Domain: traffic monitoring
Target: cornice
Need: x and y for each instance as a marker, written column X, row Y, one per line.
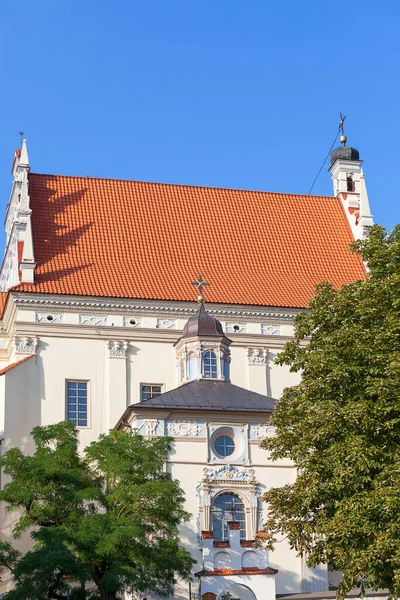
column 169, row 336
column 209, row 416
column 156, row 308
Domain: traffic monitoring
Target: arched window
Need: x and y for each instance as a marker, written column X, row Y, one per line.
column 350, row 184
column 227, row 507
column 209, row 365
column 192, row 366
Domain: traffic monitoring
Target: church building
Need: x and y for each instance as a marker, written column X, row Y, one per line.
column 161, row 308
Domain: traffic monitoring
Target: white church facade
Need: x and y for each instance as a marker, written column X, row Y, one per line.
column 100, row 326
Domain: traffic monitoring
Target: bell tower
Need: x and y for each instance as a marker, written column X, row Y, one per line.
column 349, row 185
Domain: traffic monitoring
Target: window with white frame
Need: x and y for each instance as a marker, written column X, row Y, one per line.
column 148, row 391
column 77, row 403
column 209, row 365
column 227, row 507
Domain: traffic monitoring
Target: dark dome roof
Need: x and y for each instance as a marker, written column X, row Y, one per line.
column 202, row 324
column 344, row 153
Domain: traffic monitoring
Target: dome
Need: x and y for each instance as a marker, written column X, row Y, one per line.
column 202, row 324
column 344, row 153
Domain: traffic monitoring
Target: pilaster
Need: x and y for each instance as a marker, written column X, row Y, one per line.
column 257, row 359
column 117, row 379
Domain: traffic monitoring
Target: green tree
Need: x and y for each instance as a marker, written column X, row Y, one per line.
column 341, row 426
column 103, row 523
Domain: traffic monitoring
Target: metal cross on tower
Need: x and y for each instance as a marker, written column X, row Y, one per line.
column 343, row 138
column 341, row 124
column 200, row 284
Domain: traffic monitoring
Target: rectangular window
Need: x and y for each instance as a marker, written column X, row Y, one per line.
column 149, row 391
column 77, row 403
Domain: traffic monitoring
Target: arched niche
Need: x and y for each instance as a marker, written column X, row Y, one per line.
column 222, row 560
column 250, row 559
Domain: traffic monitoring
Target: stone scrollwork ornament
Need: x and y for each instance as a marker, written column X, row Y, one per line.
column 184, row 428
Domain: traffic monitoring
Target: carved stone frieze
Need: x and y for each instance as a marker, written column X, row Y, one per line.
column 132, row 322
column 166, row 324
column 270, row 330
column 184, row 428
column 228, row 472
column 93, row 320
column 49, row 318
column 153, row 309
column 236, row 328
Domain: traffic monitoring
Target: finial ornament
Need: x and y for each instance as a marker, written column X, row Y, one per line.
column 343, row 138
column 21, row 133
column 200, row 284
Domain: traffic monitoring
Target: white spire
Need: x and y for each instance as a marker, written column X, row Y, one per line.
column 24, row 159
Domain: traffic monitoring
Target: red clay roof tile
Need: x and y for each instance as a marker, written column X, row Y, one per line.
column 129, row 239
column 3, row 300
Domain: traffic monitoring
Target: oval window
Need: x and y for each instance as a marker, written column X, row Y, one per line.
column 224, row 445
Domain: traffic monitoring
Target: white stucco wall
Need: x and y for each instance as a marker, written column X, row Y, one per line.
column 187, row 463
column 34, row 393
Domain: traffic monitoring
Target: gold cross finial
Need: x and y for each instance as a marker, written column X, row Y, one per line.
column 200, row 284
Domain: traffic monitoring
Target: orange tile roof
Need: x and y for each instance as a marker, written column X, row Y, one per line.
column 129, row 239
column 3, row 300
column 15, row 364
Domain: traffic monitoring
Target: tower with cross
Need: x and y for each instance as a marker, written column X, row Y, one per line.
column 349, row 185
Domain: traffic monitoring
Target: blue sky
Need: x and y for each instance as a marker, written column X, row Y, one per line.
column 228, row 93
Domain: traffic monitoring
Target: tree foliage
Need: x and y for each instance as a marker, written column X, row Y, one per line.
column 103, row 523
column 341, row 425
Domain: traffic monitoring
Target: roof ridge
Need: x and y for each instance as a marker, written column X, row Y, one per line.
column 185, row 185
